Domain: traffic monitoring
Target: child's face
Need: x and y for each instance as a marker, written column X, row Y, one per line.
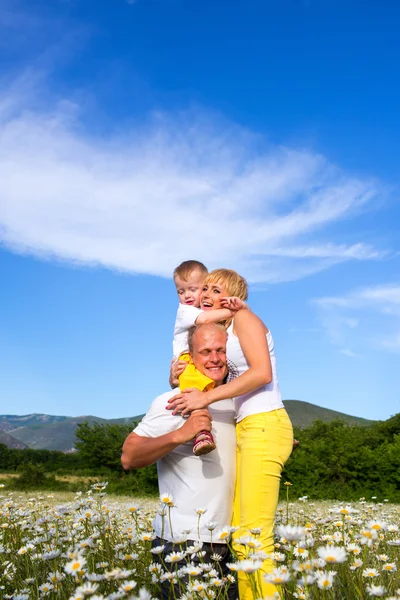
column 189, row 291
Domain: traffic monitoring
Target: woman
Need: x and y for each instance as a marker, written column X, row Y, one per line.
column 264, row 431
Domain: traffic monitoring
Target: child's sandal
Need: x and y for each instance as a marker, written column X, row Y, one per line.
column 203, row 443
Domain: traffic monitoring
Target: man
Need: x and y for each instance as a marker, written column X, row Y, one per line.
column 203, row 483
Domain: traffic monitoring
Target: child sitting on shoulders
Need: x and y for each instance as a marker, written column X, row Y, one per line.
column 189, row 278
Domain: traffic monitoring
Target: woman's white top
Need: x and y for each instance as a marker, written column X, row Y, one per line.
column 264, row 398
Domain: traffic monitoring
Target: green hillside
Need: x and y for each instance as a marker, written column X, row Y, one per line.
column 58, row 433
column 303, row 414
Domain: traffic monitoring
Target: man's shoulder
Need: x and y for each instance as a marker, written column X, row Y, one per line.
column 158, row 420
column 163, row 398
column 158, row 406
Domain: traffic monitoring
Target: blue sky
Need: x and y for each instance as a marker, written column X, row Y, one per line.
column 261, row 135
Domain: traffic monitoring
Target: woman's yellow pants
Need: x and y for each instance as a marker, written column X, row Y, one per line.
column 264, row 443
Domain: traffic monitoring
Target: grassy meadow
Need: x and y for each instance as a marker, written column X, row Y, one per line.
column 67, row 545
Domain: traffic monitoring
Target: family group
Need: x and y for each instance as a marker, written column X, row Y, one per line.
column 221, row 435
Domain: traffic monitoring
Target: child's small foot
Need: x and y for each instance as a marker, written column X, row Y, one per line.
column 203, row 443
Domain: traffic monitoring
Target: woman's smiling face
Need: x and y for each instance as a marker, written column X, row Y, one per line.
column 211, row 295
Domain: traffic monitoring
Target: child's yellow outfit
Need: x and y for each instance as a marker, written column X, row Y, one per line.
column 192, row 378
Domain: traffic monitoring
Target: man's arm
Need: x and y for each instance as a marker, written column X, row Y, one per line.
column 139, row 451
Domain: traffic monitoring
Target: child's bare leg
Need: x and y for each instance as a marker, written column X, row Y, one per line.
column 203, row 443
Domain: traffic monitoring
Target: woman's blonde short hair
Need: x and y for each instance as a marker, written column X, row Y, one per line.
column 235, row 284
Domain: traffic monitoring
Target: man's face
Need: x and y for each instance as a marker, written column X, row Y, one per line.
column 209, row 353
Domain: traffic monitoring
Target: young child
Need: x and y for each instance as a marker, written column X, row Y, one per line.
column 189, row 277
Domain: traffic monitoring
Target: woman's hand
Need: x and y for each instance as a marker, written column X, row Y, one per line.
column 176, row 370
column 187, row 401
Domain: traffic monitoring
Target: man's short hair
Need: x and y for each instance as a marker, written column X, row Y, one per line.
column 185, row 269
column 195, row 328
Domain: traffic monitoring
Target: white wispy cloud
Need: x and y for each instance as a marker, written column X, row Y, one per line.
column 384, row 298
column 348, row 352
column 178, row 187
column 378, row 307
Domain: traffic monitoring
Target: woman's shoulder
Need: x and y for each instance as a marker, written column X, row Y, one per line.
column 243, row 319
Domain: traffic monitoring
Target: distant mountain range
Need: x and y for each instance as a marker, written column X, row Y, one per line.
column 48, row 432
column 58, row 433
column 10, row 441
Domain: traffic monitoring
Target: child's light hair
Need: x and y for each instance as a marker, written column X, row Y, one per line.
column 235, row 284
column 185, row 269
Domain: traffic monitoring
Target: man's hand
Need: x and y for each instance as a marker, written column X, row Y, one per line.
column 199, row 420
column 140, row 451
column 187, row 401
column 176, row 370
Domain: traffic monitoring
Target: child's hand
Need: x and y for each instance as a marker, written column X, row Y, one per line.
column 233, row 303
column 177, row 368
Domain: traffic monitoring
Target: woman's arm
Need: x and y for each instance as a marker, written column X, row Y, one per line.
column 251, row 332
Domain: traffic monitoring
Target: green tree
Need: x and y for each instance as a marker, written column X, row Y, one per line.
column 100, row 445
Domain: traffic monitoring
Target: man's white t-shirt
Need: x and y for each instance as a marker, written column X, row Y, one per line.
column 194, row 482
column 185, row 319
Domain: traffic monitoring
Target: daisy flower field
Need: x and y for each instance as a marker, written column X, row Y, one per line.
column 92, row 546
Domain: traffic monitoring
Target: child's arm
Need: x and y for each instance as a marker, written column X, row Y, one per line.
column 214, row 316
column 175, row 371
column 233, row 304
